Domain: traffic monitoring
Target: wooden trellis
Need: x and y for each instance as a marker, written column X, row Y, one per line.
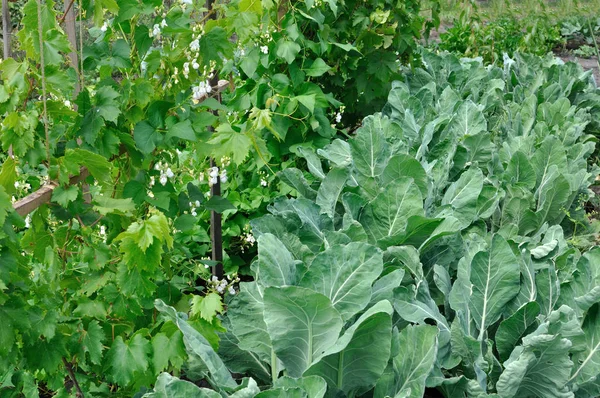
column 43, row 195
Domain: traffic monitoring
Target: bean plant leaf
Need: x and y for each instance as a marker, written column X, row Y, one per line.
column 127, row 358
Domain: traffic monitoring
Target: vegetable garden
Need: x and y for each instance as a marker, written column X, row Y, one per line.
column 293, row 199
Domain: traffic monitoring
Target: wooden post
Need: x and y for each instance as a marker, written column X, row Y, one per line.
column 216, row 227
column 6, row 28
column 6, row 38
column 69, row 21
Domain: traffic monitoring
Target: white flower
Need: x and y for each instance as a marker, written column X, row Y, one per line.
column 338, row 117
column 104, row 27
column 197, row 203
column 195, row 64
column 231, row 290
column 163, row 23
column 28, row 221
column 214, row 279
column 195, row 45
column 155, row 31
column 223, row 178
column 220, row 289
column 152, row 181
column 213, row 181
column 67, row 103
column 201, row 90
column 187, row 2
column 163, row 179
column 186, row 68
column 264, row 49
column 201, row 177
column 263, row 182
column 206, row 266
column 194, row 213
column 214, row 171
column 170, row 173
column 102, row 230
column 17, row 184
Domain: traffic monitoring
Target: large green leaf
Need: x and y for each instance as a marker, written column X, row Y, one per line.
column 405, row 166
column 495, row 276
column 468, row 120
column 168, row 386
column 520, row 171
column 369, row 149
column 198, row 347
column 314, row 386
column 245, row 312
column 330, row 190
column 414, row 361
column 275, row 264
column 359, row 357
column 465, row 190
column 345, row 274
column 302, row 324
column 387, row 215
column 539, row 368
column 587, row 362
column 513, row 328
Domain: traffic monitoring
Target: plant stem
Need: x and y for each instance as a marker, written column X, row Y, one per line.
column 274, row 371
column 69, row 368
column 595, row 42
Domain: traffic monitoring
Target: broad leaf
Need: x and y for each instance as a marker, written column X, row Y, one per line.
column 359, row 357
column 345, row 274
column 302, row 324
column 495, row 276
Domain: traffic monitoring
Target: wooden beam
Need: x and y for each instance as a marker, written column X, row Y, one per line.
column 43, row 195
column 6, row 29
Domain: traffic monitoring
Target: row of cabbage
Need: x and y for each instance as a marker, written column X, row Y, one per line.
column 445, row 246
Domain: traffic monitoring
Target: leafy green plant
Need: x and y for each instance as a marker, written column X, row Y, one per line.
column 78, row 276
column 585, row 51
column 450, row 208
column 474, row 33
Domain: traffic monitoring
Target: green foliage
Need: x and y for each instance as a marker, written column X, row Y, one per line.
column 472, row 287
column 473, row 35
column 78, row 277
